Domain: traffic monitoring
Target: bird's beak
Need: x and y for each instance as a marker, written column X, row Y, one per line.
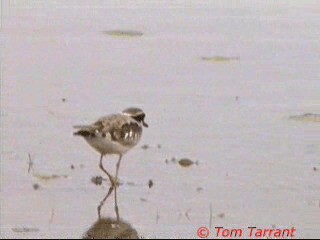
column 145, row 124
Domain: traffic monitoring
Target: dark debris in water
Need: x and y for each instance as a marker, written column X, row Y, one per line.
column 307, row 117
column 157, row 217
column 183, row 162
column 173, row 160
column 186, row 214
column 145, row 146
column 186, row 162
column 30, row 163
column 48, row 177
column 150, row 183
column 131, row 184
column 220, row 59
column 36, row 186
column 97, row 180
column 199, row 189
column 25, row 230
column 123, row 33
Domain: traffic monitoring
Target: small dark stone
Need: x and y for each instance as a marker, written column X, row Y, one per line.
column 315, row 169
column 97, row 180
column 150, row 183
column 72, row 167
column 36, row 186
column 221, row 215
column 104, row 135
column 63, row 100
column 185, row 162
column 145, row 146
column 159, row 146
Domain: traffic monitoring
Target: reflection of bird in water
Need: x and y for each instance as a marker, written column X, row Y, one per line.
column 110, row 228
column 114, row 134
column 107, row 228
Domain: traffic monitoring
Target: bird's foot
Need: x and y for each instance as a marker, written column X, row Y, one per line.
column 115, row 182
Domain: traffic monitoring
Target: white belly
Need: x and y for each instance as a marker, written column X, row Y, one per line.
column 106, row 146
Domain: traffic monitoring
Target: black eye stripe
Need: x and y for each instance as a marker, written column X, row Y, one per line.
column 139, row 118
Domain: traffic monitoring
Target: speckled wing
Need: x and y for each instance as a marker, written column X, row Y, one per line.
column 100, row 128
column 122, row 129
column 86, row 130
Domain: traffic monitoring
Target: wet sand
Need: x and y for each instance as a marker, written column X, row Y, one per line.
column 256, row 167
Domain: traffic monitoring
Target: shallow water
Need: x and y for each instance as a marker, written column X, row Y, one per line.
column 256, row 166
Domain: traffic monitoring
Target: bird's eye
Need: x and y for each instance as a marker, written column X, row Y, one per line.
column 142, row 116
column 139, row 118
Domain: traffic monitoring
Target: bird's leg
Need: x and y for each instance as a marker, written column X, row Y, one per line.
column 116, row 208
column 103, row 201
column 118, row 166
column 111, row 178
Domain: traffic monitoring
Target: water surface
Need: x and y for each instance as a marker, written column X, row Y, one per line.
column 256, row 166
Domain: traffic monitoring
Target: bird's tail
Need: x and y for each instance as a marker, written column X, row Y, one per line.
column 84, row 130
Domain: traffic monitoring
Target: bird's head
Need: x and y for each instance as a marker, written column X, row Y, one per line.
column 137, row 114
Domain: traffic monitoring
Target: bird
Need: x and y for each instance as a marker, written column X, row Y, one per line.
column 114, row 134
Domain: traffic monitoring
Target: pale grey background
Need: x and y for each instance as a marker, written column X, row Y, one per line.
column 256, row 166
